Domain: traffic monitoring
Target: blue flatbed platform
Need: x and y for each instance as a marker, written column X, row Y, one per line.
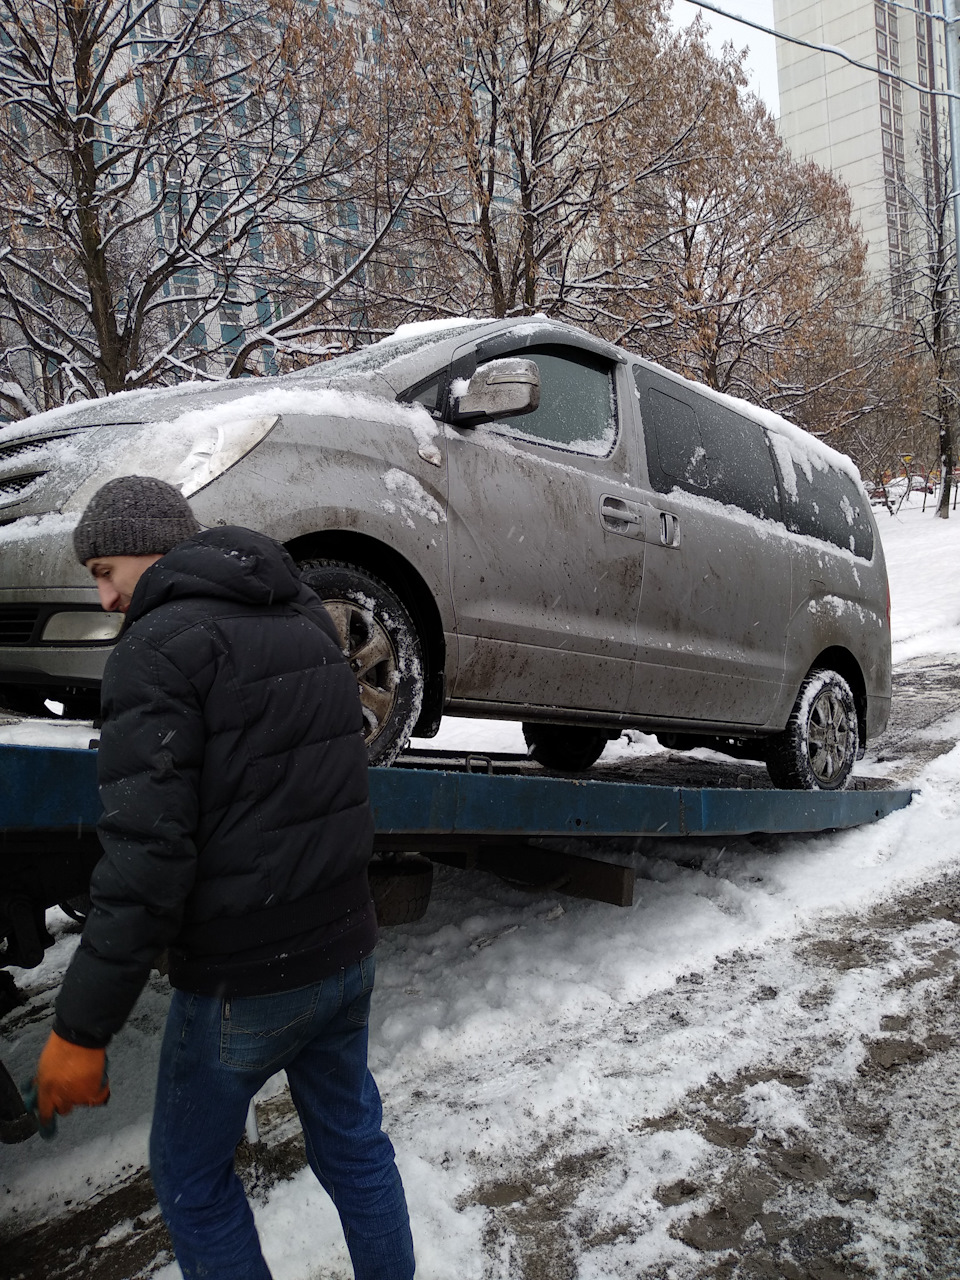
column 54, row 789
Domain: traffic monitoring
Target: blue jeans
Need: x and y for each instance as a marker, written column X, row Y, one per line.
column 216, row 1054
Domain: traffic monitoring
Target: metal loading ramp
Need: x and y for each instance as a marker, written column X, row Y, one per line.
column 480, row 812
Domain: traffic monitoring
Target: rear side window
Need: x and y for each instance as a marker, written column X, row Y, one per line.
column 698, row 445
column 826, row 504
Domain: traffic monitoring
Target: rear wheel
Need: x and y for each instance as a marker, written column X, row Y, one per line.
column 818, row 748
column 380, row 642
column 566, row 748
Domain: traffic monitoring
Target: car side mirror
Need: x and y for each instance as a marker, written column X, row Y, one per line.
column 500, row 389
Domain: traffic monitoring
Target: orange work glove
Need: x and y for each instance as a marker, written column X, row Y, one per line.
column 69, row 1076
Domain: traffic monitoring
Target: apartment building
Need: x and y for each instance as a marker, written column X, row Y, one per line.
column 875, row 132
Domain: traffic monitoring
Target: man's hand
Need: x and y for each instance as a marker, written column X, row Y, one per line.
column 69, row 1076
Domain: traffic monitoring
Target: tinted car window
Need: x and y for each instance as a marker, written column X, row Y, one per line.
column 828, row 504
column 675, row 446
column 708, row 449
column 577, row 406
column 742, row 471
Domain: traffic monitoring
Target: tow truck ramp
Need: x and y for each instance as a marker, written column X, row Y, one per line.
column 490, row 812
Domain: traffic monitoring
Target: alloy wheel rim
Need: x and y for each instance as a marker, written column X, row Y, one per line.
column 367, row 646
column 828, row 736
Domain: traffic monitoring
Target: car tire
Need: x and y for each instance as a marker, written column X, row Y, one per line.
column 380, row 642
column 818, row 748
column 400, row 884
column 566, row 748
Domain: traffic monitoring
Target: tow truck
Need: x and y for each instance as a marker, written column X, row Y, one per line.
column 498, row 813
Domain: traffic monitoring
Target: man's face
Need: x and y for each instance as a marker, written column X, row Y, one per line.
column 116, row 577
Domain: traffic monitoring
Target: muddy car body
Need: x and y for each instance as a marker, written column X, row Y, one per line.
column 508, row 519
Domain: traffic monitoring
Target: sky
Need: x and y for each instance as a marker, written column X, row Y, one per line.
column 762, row 58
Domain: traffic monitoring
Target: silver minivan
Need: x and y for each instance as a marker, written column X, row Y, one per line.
column 506, row 519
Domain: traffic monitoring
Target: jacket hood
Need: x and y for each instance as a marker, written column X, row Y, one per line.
column 226, row 563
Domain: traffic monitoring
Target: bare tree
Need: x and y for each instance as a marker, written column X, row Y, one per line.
column 758, row 270
column 182, row 186
column 928, row 295
column 528, row 105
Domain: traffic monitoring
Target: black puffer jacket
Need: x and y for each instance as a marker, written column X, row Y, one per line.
column 236, row 826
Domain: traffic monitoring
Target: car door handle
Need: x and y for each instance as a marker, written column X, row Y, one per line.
column 620, row 516
column 669, row 529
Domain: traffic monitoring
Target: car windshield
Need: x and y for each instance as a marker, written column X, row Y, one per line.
column 378, row 354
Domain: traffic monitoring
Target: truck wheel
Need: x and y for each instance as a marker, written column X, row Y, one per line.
column 381, row 644
column 566, row 748
column 400, row 884
column 817, row 750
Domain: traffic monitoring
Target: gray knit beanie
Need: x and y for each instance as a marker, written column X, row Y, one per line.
column 133, row 516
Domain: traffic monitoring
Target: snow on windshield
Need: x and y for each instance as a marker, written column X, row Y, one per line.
column 379, row 354
column 433, row 330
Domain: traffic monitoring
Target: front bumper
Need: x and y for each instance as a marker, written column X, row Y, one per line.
column 26, row 659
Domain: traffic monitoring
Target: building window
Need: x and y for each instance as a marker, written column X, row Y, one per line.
column 885, row 118
column 898, row 123
column 894, row 50
column 897, row 100
column 881, row 42
column 921, row 73
column 888, row 165
column 887, row 140
column 884, row 91
column 881, row 17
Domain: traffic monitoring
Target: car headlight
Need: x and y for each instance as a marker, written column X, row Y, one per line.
column 188, row 453
column 79, row 627
column 217, row 448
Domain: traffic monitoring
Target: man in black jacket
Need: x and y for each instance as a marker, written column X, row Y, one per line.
column 236, row 831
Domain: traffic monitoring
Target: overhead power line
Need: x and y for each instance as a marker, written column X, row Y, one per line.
column 830, row 48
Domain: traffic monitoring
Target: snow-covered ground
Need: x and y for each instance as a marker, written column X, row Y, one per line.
column 579, row 1090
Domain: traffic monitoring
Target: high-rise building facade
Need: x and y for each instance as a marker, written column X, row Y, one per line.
column 877, row 133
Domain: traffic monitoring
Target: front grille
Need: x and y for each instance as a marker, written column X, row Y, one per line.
column 18, row 623
column 21, row 446
column 10, row 486
column 16, row 476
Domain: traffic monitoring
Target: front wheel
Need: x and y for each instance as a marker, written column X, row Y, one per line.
column 380, row 642
column 566, row 748
column 817, row 749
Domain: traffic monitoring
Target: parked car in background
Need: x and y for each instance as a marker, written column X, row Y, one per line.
column 506, row 519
